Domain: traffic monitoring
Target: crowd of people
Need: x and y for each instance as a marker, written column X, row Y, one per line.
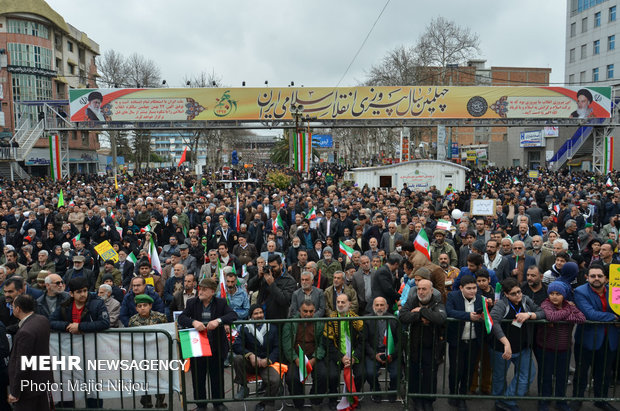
column 205, row 255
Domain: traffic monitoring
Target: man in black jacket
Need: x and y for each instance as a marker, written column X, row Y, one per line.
column 210, row 313
column 383, row 281
column 92, row 317
column 275, row 289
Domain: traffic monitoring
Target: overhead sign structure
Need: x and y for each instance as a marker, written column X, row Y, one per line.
column 350, row 103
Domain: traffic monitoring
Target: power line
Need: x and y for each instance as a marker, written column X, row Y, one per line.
column 364, row 42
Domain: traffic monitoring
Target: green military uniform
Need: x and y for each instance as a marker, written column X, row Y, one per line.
column 152, row 319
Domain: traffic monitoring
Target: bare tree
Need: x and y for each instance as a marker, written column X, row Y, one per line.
column 112, row 68
column 444, row 43
column 398, row 68
column 142, row 72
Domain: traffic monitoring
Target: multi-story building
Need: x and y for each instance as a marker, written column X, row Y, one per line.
column 591, row 54
column 41, row 58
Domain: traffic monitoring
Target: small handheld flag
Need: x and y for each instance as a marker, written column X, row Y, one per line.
column 488, row 321
column 421, row 244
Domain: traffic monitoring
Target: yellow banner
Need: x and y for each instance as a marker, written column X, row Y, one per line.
column 106, row 251
column 614, row 287
column 322, row 103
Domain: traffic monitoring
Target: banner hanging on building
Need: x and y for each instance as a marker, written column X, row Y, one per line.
column 302, row 151
column 351, row 103
column 55, row 157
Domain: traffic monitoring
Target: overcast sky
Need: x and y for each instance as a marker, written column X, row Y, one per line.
column 310, row 42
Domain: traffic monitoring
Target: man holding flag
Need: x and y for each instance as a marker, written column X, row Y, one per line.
column 303, row 345
column 344, row 351
column 207, row 313
column 381, row 339
column 464, row 336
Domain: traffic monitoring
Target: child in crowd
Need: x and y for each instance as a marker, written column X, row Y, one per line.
column 553, row 343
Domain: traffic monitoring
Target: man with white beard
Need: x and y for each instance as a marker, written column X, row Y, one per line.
column 93, row 112
column 381, row 338
column 307, row 292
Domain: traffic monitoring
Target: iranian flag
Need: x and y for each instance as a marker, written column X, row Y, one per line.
column 609, row 183
column 244, row 271
column 515, row 180
column 348, row 402
column 388, row 341
column 54, row 144
column 443, row 225
column 132, row 257
column 76, row 239
column 311, row 214
column 146, row 228
column 305, row 368
column 422, row 244
column 302, row 152
column 488, row 321
column 155, row 264
column 120, row 231
column 220, row 273
column 194, row 343
column 238, row 218
column 346, row 250
column 193, row 188
column 277, row 223
column 608, row 160
column 282, row 203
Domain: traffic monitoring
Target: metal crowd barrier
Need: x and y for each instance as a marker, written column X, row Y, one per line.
column 407, row 387
column 127, row 385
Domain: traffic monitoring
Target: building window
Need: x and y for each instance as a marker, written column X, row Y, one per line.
column 582, row 77
column 595, row 74
column 610, row 71
column 596, row 49
column 70, row 46
column 30, row 28
column 584, row 51
column 597, row 19
column 31, row 87
column 573, row 29
column 571, row 79
column 571, row 58
column 612, row 13
column 28, row 55
column 584, row 24
column 71, row 69
column 611, row 42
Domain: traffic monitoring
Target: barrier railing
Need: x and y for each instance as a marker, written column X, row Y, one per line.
column 102, row 380
column 421, row 365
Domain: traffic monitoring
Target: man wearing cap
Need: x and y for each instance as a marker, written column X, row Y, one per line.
column 256, row 348
column 54, row 295
column 327, row 266
column 210, row 313
column 440, row 246
column 78, row 270
column 189, row 261
column 109, row 268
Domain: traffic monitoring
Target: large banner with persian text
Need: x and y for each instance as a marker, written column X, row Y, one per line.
column 352, row 103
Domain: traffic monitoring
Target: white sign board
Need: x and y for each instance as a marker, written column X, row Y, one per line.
column 441, row 142
column 482, row 207
column 551, row 131
column 532, row 139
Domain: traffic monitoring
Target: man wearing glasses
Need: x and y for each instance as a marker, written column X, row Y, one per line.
column 518, row 262
column 595, row 344
column 54, row 295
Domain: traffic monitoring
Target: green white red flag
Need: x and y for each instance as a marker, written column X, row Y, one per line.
column 422, row 244
column 311, row 214
column 277, row 223
column 305, row 368
column 194, row 343
column 346, row 250
column 388, row 341
column 54, row 144
column 488, row 321
column 76, row 239
column 302, row 151
column 155, row 264
column 132, row 257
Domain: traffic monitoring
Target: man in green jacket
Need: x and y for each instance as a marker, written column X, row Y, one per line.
column 305, row 340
